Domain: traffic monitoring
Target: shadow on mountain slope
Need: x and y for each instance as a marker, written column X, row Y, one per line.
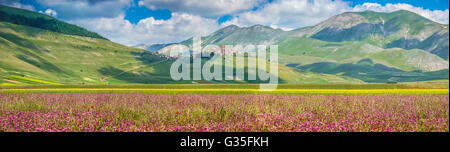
column 369, row 72
column 133, row 77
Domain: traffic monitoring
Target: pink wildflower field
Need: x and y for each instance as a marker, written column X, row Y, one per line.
column 123, row 112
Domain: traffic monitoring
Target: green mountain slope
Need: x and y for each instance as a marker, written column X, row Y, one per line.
column 400, row 29
column 31, row 55
column 400, row 39
column 38, row 20
column 367, row 71
column 306, row 50
column 233, row 35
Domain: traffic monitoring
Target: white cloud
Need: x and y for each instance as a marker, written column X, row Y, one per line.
column 78, row 9
column 147, row 31
column 440, row 16
column 50, row 12
column 17, row 5
column 206, row 8
column 289, row 14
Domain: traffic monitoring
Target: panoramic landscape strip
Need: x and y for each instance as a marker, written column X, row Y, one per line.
column 224, row 66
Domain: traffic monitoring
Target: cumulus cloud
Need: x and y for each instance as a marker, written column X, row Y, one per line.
column 206, row 8
column 17, row 4
column 440, row 16
column 147, row 31
column 49, row 12
column 78, row 9
column 289, row 14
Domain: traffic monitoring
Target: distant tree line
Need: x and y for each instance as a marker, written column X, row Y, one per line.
column 47, row 24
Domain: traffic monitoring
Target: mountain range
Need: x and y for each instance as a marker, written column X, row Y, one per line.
column 394, row 47
column 354, row 47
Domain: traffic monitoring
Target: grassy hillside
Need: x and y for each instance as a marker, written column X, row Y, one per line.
column 37, row 56
column 367, row 71
column 39, row 20
column 400, row 29
column 306, row 50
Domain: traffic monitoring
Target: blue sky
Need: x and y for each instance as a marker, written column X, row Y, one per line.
column 135, row 14
column 132, row 22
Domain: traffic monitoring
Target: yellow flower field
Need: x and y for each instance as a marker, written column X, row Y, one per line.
column 220, row 91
